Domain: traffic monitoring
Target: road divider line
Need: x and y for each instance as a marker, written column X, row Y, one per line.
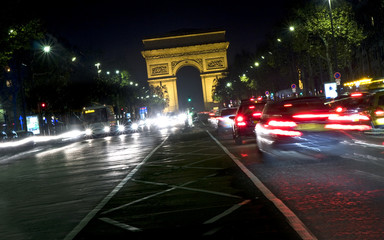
column 101, row 204
column 120, row 225
column 292, row 218
column 227, row 212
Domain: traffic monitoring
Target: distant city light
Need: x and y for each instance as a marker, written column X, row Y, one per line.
column 291, row 28
column 257, row 64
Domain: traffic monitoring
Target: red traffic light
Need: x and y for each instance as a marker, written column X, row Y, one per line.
column 43, row 105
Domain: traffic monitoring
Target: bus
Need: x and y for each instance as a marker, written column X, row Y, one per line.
column 99, row 120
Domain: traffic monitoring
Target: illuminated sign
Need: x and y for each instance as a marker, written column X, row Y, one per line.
column 33, row 124
column 89, row 111
column 330, row 90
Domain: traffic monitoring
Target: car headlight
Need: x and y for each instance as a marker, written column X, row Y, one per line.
column 88, row 131
column 121, row 128
column 107, row 129
column 134, row 126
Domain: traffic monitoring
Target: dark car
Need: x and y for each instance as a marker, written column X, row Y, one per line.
column 247, row 116
column 303, row 124
column 367, row 107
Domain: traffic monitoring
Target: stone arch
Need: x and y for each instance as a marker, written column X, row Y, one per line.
column 165, row 55
column 177, row 65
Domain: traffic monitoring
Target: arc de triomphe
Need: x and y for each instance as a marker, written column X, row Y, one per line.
column 165, row 55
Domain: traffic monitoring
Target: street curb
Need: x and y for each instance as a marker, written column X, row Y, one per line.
column 291, row 217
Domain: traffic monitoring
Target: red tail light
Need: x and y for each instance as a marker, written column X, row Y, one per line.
column 282, row 128
column 339, row 109
column 256, row 114
column 240, row 121
column 275, row 123
column 348, row 127
column 379, row 112
column 311, row 116
column 356, row 94
column 349, row 118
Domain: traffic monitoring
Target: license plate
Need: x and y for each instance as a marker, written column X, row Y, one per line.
column 311, row 127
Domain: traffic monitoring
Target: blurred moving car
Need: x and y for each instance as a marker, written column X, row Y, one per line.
column 367, row 107
column 303, row 124
column 247, row 116
column 224, row 121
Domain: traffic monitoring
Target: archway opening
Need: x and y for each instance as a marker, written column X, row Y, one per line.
column 189, row 89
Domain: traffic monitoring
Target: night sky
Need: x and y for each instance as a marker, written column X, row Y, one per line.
column 116, row 28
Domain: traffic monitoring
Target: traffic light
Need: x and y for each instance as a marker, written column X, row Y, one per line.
column 189, row 99
column 43, row 105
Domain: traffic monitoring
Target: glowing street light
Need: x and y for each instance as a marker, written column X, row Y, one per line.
column 257, row 64
column 47, row 49
column 291, row 28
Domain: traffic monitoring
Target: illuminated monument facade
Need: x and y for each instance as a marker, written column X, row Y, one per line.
column 165, row 55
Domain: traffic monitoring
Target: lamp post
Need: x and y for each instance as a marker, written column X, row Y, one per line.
column 333, row 42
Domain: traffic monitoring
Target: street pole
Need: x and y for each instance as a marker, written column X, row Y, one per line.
column 334, row 44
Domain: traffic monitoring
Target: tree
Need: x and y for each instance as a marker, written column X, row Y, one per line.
column 314, row 33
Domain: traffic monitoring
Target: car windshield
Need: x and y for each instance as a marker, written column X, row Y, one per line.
column 95, row 115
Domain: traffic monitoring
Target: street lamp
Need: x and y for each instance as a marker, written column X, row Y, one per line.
column 291, row 28
column 46, row 49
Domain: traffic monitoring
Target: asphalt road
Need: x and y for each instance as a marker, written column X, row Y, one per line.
column 337, row 197
column 182, row 182
column 47, row 190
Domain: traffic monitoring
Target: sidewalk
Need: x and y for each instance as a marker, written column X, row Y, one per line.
column 189, row 189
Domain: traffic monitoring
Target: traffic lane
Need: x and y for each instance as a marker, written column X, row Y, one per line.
column 337, row 196
column 189, row 188
column 46, row 191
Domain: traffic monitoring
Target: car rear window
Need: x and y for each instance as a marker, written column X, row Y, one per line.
column 354, row 102
column 292, row 107
column 249, row 109
column 229, row 111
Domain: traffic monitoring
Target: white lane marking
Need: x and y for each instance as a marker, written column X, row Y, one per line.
column 188, row 188
column 99, row 206
column 121, row 225
column 293, row 220
column 152, row 195
column 226, row 212
column 138, row 200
